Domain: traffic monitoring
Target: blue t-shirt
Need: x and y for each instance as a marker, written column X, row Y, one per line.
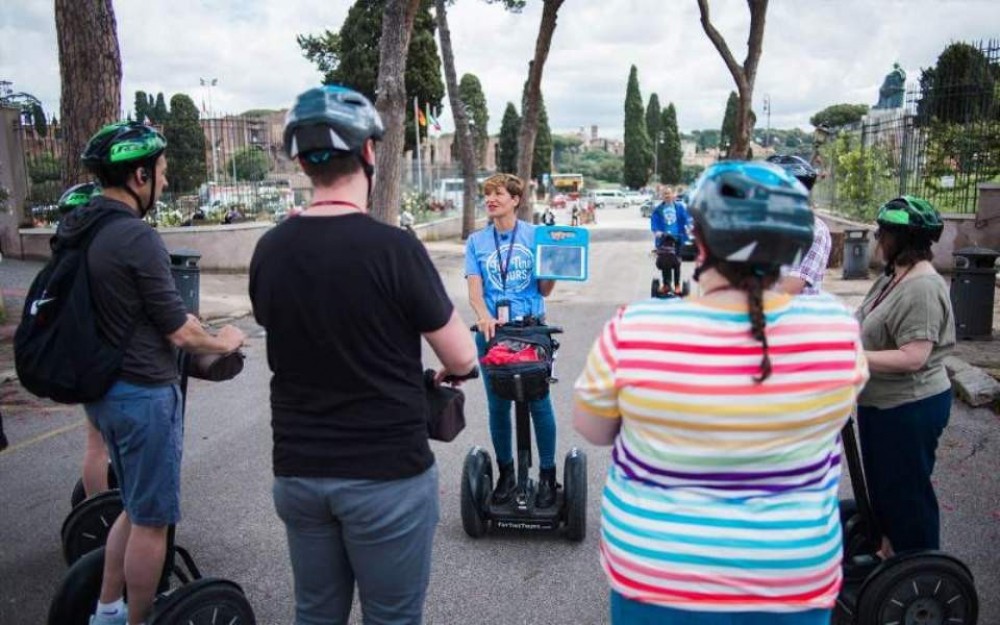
column 483, row 259
column 670, row 218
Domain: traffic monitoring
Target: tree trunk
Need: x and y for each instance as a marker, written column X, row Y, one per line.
column 397, row 25
column 744, row 75
column 529, row 116
column 90, row 68
column 466, row 150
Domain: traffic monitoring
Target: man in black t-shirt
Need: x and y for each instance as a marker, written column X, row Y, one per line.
column 138, row 308
column 345, row 300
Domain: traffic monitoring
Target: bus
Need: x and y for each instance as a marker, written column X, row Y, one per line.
column 568, row 184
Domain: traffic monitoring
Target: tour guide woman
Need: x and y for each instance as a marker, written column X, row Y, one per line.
column 500, row 271
column 907, row 328
column 725, row 412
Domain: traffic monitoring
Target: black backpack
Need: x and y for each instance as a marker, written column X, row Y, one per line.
column 59, row 351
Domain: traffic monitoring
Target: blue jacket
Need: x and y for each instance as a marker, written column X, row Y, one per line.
column 672, row 218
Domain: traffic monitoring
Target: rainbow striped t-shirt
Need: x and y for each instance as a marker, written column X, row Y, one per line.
column 722, row 493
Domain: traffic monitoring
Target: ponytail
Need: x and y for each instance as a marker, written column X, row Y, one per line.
column 754, row 281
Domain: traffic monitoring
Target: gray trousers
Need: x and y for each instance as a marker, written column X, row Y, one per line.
column 377, row 534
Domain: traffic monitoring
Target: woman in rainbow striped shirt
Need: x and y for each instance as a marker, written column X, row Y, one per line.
column 725, row 413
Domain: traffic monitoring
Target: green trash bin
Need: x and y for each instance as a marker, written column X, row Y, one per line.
column 973, row 285
column 187, row 277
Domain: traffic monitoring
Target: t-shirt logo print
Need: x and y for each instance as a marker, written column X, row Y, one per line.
column 519, row 271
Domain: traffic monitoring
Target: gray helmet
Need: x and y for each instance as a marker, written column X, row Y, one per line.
column 330, row 119
column 752, row 212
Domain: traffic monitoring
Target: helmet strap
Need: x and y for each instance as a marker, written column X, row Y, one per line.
column 369, row 170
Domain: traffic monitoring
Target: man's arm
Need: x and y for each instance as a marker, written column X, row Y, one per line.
column 194, row 339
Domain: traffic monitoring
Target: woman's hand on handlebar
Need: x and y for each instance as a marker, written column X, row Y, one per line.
column 443, row 376
column 488, row 326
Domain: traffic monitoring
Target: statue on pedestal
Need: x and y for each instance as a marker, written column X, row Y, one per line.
column 890, row 94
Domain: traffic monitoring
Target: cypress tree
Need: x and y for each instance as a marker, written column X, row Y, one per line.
column 510, row 127
column 185, row 145
column 638, row 151
column 670, row 159
column 654, row 128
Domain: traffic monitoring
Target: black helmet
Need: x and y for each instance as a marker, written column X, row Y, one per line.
column 752, row 212
column 331, row 119
column 77, row 195
column 913, row 215
column 123, row 145
column 797, row 167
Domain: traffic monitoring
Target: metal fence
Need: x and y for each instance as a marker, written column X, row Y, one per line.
column 941, row 145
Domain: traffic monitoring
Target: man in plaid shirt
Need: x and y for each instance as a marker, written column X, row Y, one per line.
column 807, row 276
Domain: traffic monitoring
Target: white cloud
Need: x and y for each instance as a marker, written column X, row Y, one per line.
column 815, row 53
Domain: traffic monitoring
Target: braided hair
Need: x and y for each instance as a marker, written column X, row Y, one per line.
column 754, row 280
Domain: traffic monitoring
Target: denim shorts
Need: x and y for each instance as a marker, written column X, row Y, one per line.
column 143, row 428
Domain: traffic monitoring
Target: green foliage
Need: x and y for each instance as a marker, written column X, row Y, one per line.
column 514, row 6
column 142, row 106
column 44, row 168
column 728, row 133
column 351, row 57
column 863, row 177
column 257, row 112
column 595, row 165
column 510, row 126
column 966, row 158
column 690, row 173
column 562, row 147
column 706, row 139
column 249, row 164
column 638, row 148
column 470, row 92
column 541, row 162
column 160, row 114
column 960, row 88
column 653, row 118
column 671, row 171
column 839, row 115
column 185, row 145
column 38, row 120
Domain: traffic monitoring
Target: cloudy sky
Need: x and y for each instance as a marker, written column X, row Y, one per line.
column 816, row 52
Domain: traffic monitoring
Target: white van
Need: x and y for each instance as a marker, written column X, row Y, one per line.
column 609, row 198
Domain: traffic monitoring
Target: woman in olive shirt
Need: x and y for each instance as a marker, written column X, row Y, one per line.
column 907, row 329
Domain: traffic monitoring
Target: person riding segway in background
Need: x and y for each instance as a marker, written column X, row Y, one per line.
column 668, row 261
column 908, row 328
column 725, row 415
column 670, row 217
column 345, row 300
column 806, row 276
column 499, row 270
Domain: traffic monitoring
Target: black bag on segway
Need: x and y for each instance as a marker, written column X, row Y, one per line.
column 445, row 409
column 518, row 363
column 59, row 352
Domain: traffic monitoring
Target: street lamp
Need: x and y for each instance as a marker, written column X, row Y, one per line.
column 211, row 82
column 657, row 142
column 767, row 109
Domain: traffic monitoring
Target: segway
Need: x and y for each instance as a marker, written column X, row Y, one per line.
column 654, row 290
column 184, row 596
column 921, row 587
column 522, row 384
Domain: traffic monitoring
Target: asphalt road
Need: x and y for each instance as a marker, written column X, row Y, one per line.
column 231, row 529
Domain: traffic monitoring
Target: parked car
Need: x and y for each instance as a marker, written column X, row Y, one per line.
column 646, row 210
column 609, row 198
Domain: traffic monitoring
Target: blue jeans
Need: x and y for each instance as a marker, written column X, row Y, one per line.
column 625, row 611
column 897, row 450
column 542, row 415
column 376, row 533
column 143, row 428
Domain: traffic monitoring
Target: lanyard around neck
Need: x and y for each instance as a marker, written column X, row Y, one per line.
column 510, row 252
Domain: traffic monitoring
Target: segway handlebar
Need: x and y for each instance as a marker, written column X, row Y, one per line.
column 471, row 375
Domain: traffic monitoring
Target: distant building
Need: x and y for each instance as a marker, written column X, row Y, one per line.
column 593, row 141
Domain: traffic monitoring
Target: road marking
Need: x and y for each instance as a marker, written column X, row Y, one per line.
column 42, row 437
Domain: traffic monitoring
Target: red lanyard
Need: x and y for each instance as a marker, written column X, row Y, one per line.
column 888, row 289
column 334, row 203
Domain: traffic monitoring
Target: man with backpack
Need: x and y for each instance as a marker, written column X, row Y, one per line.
column 139, row 312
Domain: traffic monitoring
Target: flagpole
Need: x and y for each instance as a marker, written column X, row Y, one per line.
column 416, row 128
column 432, row 144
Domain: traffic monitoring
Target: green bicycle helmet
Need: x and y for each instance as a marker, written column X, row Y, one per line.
column 331, row 120
column 77, row 195
column 913, row 215
column 752, row 212
column 120, row 148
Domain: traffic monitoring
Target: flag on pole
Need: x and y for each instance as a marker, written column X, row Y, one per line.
column 420, row 118
column 434, row 122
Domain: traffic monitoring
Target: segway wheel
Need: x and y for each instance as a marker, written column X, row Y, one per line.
column 854, row 531
column 76, row 598
column 654, row 289
column 932, row 588
column 87, row 526
column 79, row 494
column 575, row 478
column 207, row 601
column 477, row 482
